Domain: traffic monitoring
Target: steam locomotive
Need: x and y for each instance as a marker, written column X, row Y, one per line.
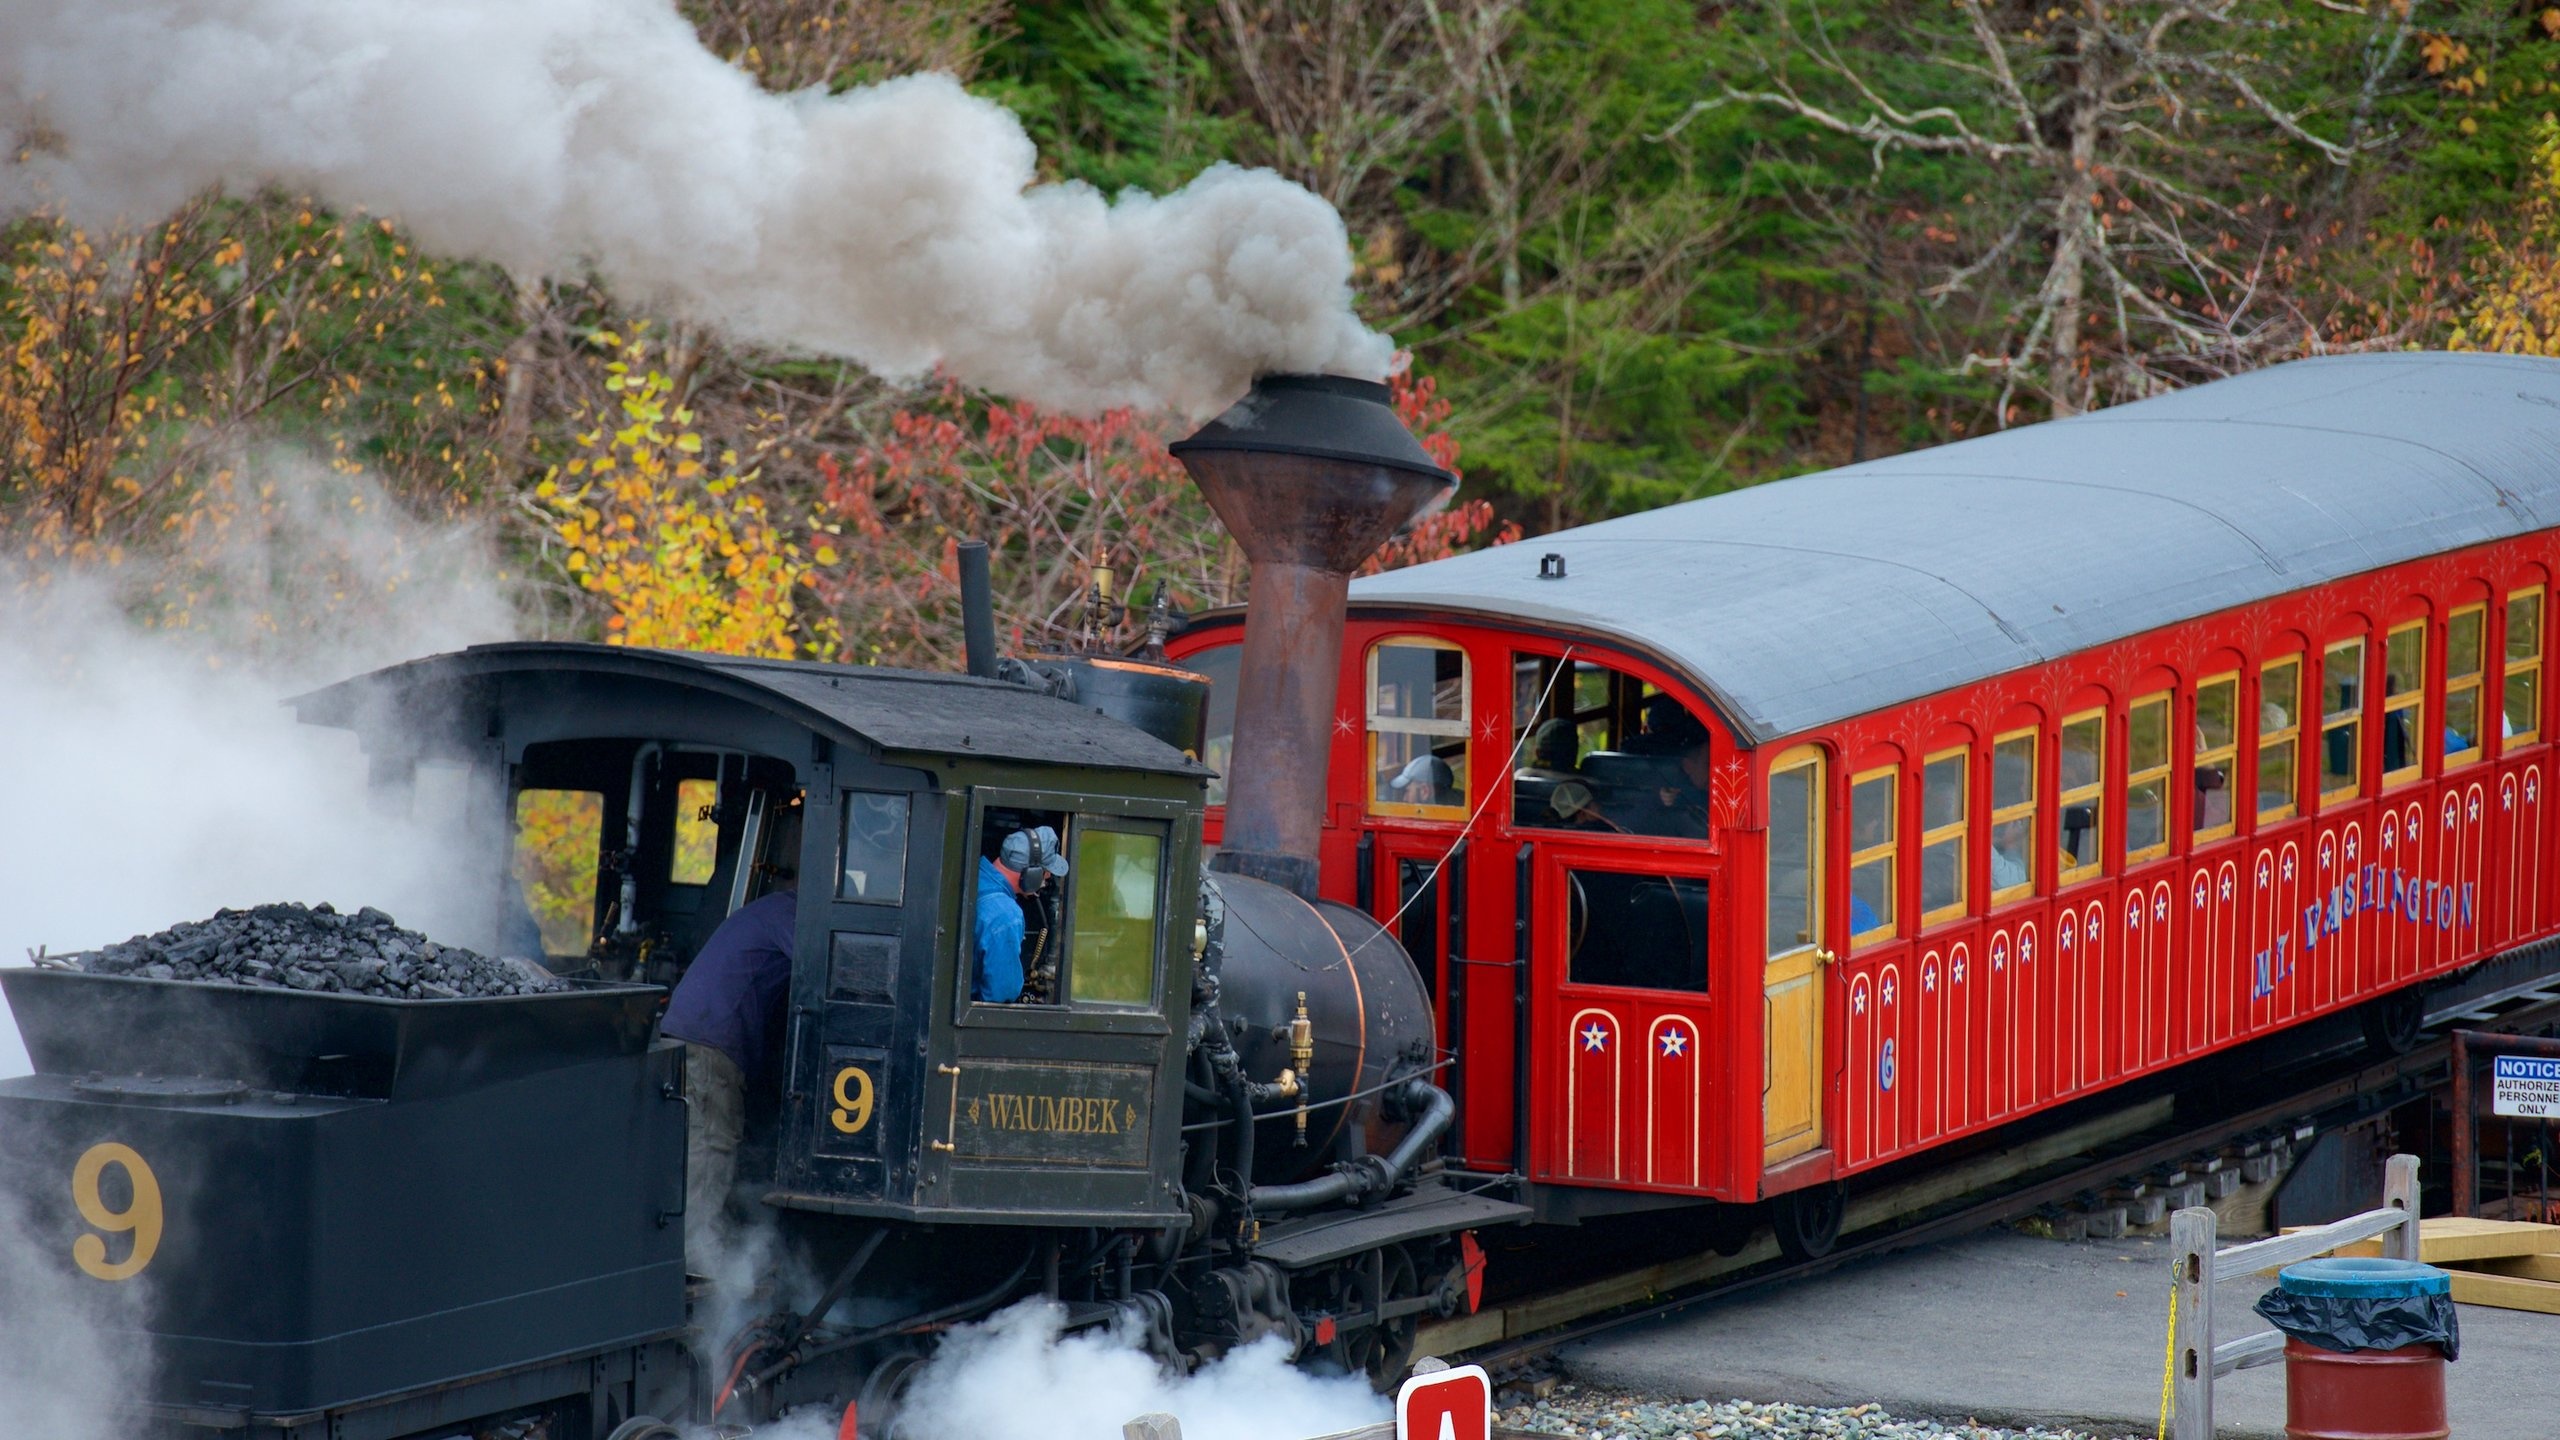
column 1214, row 1116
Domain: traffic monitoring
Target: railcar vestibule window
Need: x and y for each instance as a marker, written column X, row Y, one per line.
column 1602, row 750
column 2404, row 697
column 2217, row 746
column 1418, row 729
column 2083, row 799
column 2463, row 631
column 2146, row 780
column 2013, row 816
column 1795, row 853
column 2523, row 705
column 1943, row 813
column 2341, row 733
column 1644, row 931
column 1874, row 846
column 2279, row 737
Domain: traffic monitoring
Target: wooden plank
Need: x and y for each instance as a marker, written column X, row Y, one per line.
column 2527, row 1267
column 2264, row 1348
column 2454, row 1239
column 2301, row 1244
column 2506, row 1292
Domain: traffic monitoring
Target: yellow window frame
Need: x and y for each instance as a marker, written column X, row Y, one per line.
column 1958, row 829
column 2015, row 810
column 2227, row 753
column 1888, row 850
column 2289, row 733
column 1817, row 859
column 2409, row 705
column 2467, row 682
column 1463, row 727
column 2529, row 668
column 2095, row 790
column 2159, row 701
column 2351, row 716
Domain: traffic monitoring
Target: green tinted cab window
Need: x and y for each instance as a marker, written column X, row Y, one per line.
column 1112, row 950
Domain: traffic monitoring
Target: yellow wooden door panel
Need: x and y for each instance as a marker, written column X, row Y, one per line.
column 1789, row 1099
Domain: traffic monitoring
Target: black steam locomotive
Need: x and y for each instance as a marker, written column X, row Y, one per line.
column 1213, row 1117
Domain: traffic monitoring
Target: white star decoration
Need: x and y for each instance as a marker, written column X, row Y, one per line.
column 2288, row 867
column 2026, row 947
column 1929, row 980
column 2226, row 885
column 2093, row 927
column 1858, row 1002
column 1595, row 1036
column 1675, row 1043
column 1888, row 989
column 2159, row 907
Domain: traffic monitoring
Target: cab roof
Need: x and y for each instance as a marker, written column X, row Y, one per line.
column 911, row 711
column 1803, row 602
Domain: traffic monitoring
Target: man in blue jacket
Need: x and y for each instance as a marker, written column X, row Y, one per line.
column 1027, row 857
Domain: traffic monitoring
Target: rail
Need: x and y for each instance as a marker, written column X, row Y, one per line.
column 2196, row 1359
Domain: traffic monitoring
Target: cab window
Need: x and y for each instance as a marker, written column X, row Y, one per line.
column 1066, row 909
column 559, row 840
column 1418, row 729
column 874, row 868
column 1116, row 879
column 1602, row 750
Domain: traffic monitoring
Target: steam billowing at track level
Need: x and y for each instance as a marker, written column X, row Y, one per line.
column 895, row 225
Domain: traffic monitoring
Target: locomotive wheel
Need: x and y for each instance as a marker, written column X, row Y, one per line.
column 2394, row 1023
column 1730, row 1228
column 645, row 1427
column 884, row 1390
column 1380, row 1352
column 1807, row 1221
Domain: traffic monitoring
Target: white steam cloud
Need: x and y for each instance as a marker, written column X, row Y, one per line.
column 896, row 225
column 1016, row 1377
column 153, row 775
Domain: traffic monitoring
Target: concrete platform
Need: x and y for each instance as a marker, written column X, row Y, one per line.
column 2016, row 1330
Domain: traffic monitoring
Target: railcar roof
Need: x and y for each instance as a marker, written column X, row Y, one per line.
column 895, row 710
column 1806, row 601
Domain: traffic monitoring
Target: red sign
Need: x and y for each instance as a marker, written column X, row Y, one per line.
column 1454, row 1404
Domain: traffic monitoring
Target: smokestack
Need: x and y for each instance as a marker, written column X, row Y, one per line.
column 977, row 609
column 1311, row 473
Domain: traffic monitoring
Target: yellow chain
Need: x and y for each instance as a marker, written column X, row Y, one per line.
column 2169, row 1355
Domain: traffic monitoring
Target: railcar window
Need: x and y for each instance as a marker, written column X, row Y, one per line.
column 559, row 839
column 874, row 868
column 1648, row 932
column 2217, row 746
column 697, row 838
column 1874, row 843
column 1794, row 853
column 2404, row 696
column 1602, row 750
column 1943, row 813
column 2523, row 699
column 2279, row 737
column 2083, row 800
column 1117, row 877
column 2013, row 816
column 2146, row 779
column 2341, row 714
column 2463, row 631
column 1418, row 729
column 1221, row 664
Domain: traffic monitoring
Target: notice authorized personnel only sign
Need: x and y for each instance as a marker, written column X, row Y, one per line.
column 2523, row 1086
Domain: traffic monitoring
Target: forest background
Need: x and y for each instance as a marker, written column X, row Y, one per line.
column 1637, row 251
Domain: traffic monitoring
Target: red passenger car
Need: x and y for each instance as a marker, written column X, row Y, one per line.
column 1757, row 841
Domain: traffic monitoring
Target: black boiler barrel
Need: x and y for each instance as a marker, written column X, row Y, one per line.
column 1372, row 1019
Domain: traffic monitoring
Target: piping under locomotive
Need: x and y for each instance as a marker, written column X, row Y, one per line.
column 1216, row 1120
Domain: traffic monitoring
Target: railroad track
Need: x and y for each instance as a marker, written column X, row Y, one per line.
column 2039, row 1172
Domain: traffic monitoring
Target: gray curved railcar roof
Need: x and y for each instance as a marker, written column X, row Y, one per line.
column 895, row 710
column 1806, row 601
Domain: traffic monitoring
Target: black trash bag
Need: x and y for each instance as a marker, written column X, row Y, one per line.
column 2348, row 1324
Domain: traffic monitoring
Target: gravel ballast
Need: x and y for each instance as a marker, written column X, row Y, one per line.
column 1586, row 1413
column 297, row 947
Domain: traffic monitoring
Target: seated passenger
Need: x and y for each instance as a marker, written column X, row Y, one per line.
column 2008, row 869
column 1552, row 748
column 1666, row 723
column 728, row 1012
column 1575, row 808
column 1026, row 862
column 2213, row 796
column 1677, row 807
column 1426, row 780
column 1862, row 916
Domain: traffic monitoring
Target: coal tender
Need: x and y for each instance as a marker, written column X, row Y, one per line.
column 343, row 1179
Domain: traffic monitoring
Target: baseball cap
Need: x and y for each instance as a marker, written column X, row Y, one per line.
column 1038, row 846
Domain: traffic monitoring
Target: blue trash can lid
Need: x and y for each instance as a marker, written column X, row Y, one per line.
column 2363, row 1278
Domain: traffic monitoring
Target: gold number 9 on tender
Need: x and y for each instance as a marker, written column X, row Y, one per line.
column 853, row 1111
column 142, row 1217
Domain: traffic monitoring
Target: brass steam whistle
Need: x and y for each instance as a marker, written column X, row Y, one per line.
column 1302, row 1059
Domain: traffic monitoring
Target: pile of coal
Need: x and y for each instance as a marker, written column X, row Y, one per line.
column 294, row 947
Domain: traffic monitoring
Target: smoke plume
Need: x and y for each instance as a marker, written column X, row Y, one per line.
column 154, row 775
column 895, row 225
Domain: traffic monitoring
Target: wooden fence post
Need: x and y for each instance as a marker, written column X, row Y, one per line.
column 2191, row 1244
column 2400, row 1192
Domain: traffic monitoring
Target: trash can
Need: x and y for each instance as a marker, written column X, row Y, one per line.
column 2366, row 1343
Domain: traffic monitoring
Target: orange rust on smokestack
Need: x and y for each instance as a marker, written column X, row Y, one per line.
column 1311, row 473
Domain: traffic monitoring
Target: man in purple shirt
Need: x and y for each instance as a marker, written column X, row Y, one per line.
column 728, row 1012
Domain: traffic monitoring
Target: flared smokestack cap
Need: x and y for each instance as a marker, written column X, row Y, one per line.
column 1314, row 469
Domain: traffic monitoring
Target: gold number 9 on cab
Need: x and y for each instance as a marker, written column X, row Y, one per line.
column 141, row 1215
column 853, row 1111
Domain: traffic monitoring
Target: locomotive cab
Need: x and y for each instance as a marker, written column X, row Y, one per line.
column 651, row 795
